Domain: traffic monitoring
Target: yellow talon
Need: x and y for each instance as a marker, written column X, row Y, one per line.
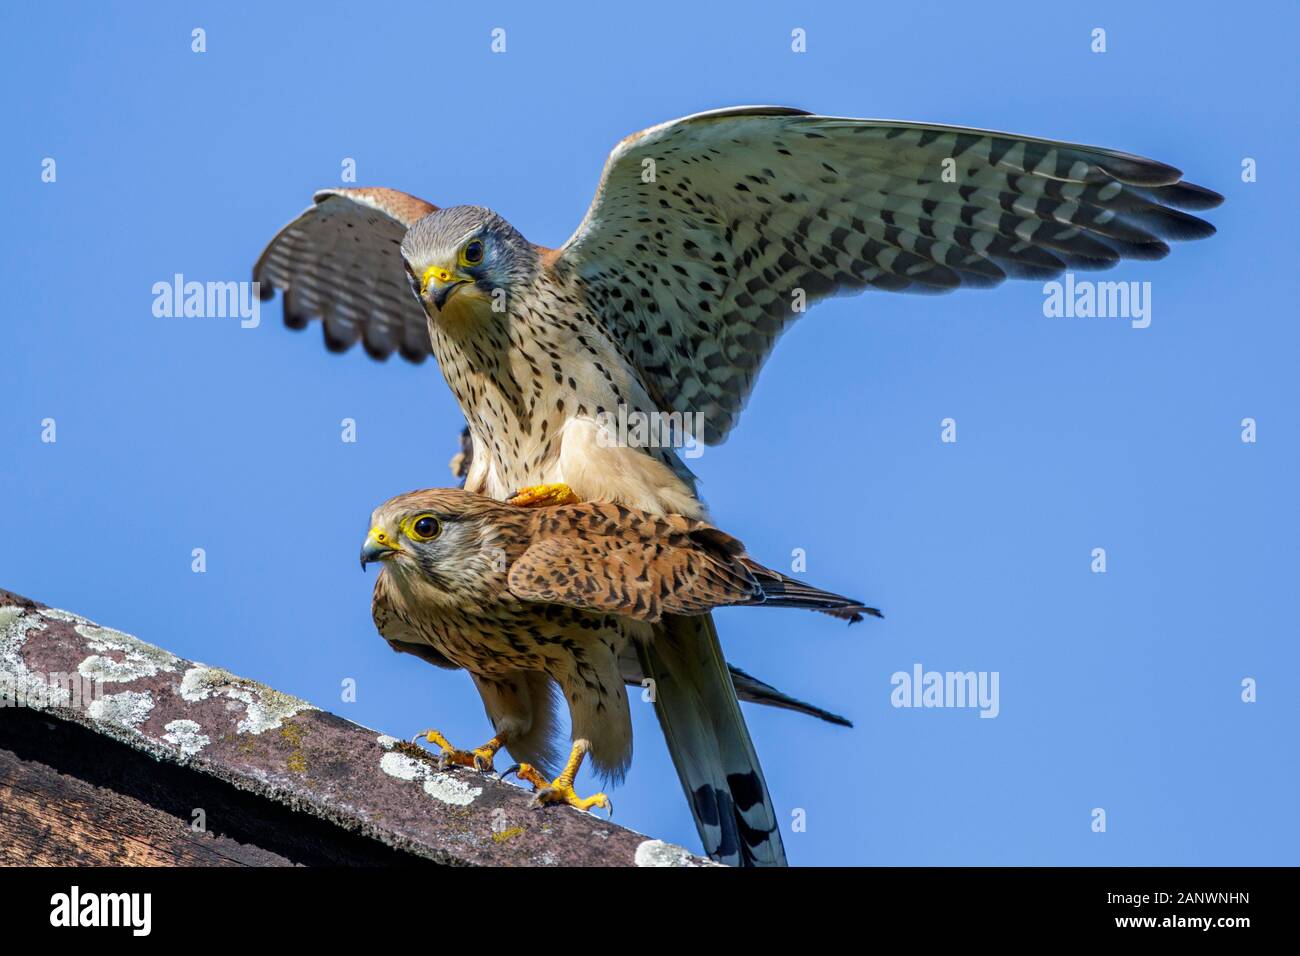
column 560, row 790
column 538, row 496
column 480, row 758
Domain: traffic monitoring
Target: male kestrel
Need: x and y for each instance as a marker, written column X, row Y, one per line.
column 706, row 238
column 530, row 600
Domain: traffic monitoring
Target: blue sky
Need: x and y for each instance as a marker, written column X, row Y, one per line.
column 1119, row 690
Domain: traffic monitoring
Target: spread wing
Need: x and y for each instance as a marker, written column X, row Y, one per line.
column 340, row 262
column 704, row 230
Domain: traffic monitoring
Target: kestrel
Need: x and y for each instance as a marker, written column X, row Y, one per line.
column 534, row 600
column 707, row 236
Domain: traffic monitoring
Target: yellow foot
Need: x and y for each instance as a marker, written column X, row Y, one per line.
column 560, row 790
column 539, row 496
column 480, row 758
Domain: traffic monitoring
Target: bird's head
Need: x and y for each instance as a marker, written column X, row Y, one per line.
column 444, row 541
column 466, row 261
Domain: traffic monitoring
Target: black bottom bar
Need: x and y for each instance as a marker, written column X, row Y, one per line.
column 302, row 905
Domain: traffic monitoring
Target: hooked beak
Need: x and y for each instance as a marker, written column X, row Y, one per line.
column 379, row 546
column 439, row 283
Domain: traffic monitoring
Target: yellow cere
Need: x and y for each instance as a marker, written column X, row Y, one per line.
column 435, row 272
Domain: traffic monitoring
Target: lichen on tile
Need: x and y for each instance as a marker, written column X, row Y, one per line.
column 264, row 708
column 446, row 787
column 54, row 614
column 401, row 766
column 185, row 736
column 139, row 659
column 659, row 853
column 128, row 709
column 17, row 683
column 450, row 789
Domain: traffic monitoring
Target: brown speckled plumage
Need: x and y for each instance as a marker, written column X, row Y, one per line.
column 510, row 593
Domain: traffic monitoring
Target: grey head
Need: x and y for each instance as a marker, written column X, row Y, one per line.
column 467, row 257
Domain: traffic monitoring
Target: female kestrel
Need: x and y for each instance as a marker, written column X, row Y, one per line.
column 529, row 600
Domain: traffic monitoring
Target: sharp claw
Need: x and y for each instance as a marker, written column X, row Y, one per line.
column 415, row 740
column 507, row 772
column 609, row 807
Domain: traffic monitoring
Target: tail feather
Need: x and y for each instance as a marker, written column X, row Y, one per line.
column 759, row 692
column 700, row 715
column 750, row 689
column 782, row 591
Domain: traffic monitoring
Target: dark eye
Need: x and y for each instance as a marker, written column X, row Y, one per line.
column 473, row 253
column 425, row 527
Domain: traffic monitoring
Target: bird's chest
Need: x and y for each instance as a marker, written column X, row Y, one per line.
column 544, row 391
column 498, row 374
column 520, row 381
column 493, row 642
